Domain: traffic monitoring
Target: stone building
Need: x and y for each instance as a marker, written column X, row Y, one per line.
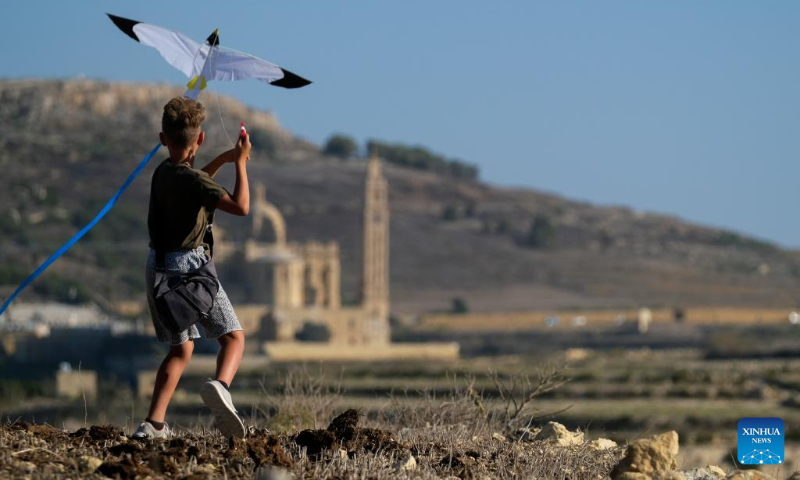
column 305, row 278
column 300, row 284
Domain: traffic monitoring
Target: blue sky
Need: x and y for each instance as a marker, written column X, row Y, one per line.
column 682, row 107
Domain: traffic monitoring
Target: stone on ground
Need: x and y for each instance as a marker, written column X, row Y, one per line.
column 602, row 444
column 88, row 464
column 652, row 457
column 272, row 473
column 710, row 472
column 406, row 463
column 559, row 434
column 748, row 475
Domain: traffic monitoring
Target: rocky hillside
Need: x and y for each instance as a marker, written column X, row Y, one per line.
column 66, row 146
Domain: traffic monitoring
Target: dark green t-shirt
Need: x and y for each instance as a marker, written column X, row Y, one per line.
column 182, row 204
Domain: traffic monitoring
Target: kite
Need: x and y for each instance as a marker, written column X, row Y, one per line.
column 208, row 61
column 202, row 63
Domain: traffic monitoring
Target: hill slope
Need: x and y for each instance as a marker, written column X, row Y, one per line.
column 65, row 146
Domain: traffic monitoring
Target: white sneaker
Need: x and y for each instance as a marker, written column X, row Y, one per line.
column 147, row 431
column 218, row 399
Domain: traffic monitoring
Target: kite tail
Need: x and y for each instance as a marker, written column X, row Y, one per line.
column 72, row 241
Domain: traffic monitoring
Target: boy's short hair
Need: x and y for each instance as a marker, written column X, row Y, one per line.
column 181, row 120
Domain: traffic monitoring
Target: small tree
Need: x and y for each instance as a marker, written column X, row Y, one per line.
column 460, row 305
column 450, row 213
column 541, row 233
column 340, row 146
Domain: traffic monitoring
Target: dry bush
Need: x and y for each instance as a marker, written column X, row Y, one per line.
column 306, row 400
column 461, row 405
column 510, row 405
column 518, row 392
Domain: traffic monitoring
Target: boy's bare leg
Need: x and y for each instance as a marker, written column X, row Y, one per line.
column 230, row 355
column 167, row 378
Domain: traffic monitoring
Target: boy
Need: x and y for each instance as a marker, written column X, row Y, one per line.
column 182, row 204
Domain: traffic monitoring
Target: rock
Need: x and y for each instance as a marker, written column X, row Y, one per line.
column 655, row 476
column 652, row 457
column 343, row 454
column 748, row 475
column 88, row 464
column 405, row 463
column 558, row 434
column 498, row 436
column 602, row 444
column 272, row 473
column 711, row 472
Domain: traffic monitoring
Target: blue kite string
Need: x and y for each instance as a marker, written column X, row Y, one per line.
column 72, row 241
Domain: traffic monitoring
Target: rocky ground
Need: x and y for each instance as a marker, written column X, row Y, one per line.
column 343, row 450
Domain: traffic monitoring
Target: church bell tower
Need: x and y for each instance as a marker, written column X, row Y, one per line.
column 375, row 293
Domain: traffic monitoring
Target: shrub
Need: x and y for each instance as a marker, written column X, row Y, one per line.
column 542, row 232
column 730, row 239
column 450, row 213
column 421, row 158
column 460, row 305
column 340, row 146
column 11, row 275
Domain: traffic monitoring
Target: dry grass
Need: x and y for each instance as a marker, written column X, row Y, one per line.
column 448, row 436
column 38, row 451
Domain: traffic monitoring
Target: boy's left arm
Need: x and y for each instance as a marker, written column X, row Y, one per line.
column 214, row 165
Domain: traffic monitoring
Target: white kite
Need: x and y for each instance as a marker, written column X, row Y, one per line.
column 208, row 61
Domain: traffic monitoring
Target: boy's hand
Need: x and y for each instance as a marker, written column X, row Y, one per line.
column 241, row 153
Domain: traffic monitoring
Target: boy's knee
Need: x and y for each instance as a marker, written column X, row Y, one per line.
column 235, row 337
column 183, row 350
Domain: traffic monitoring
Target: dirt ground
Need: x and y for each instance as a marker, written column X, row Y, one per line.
column 343, row 450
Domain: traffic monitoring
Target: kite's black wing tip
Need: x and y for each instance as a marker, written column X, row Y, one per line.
column 290, row 80
column 125, row 24
column 213, row 39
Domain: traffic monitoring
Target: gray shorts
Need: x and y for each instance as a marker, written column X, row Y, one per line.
column 222, row 319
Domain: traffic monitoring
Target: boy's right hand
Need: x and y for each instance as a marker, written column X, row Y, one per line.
column 242, row 150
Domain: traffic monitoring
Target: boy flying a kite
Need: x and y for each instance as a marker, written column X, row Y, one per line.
column 182, row 204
